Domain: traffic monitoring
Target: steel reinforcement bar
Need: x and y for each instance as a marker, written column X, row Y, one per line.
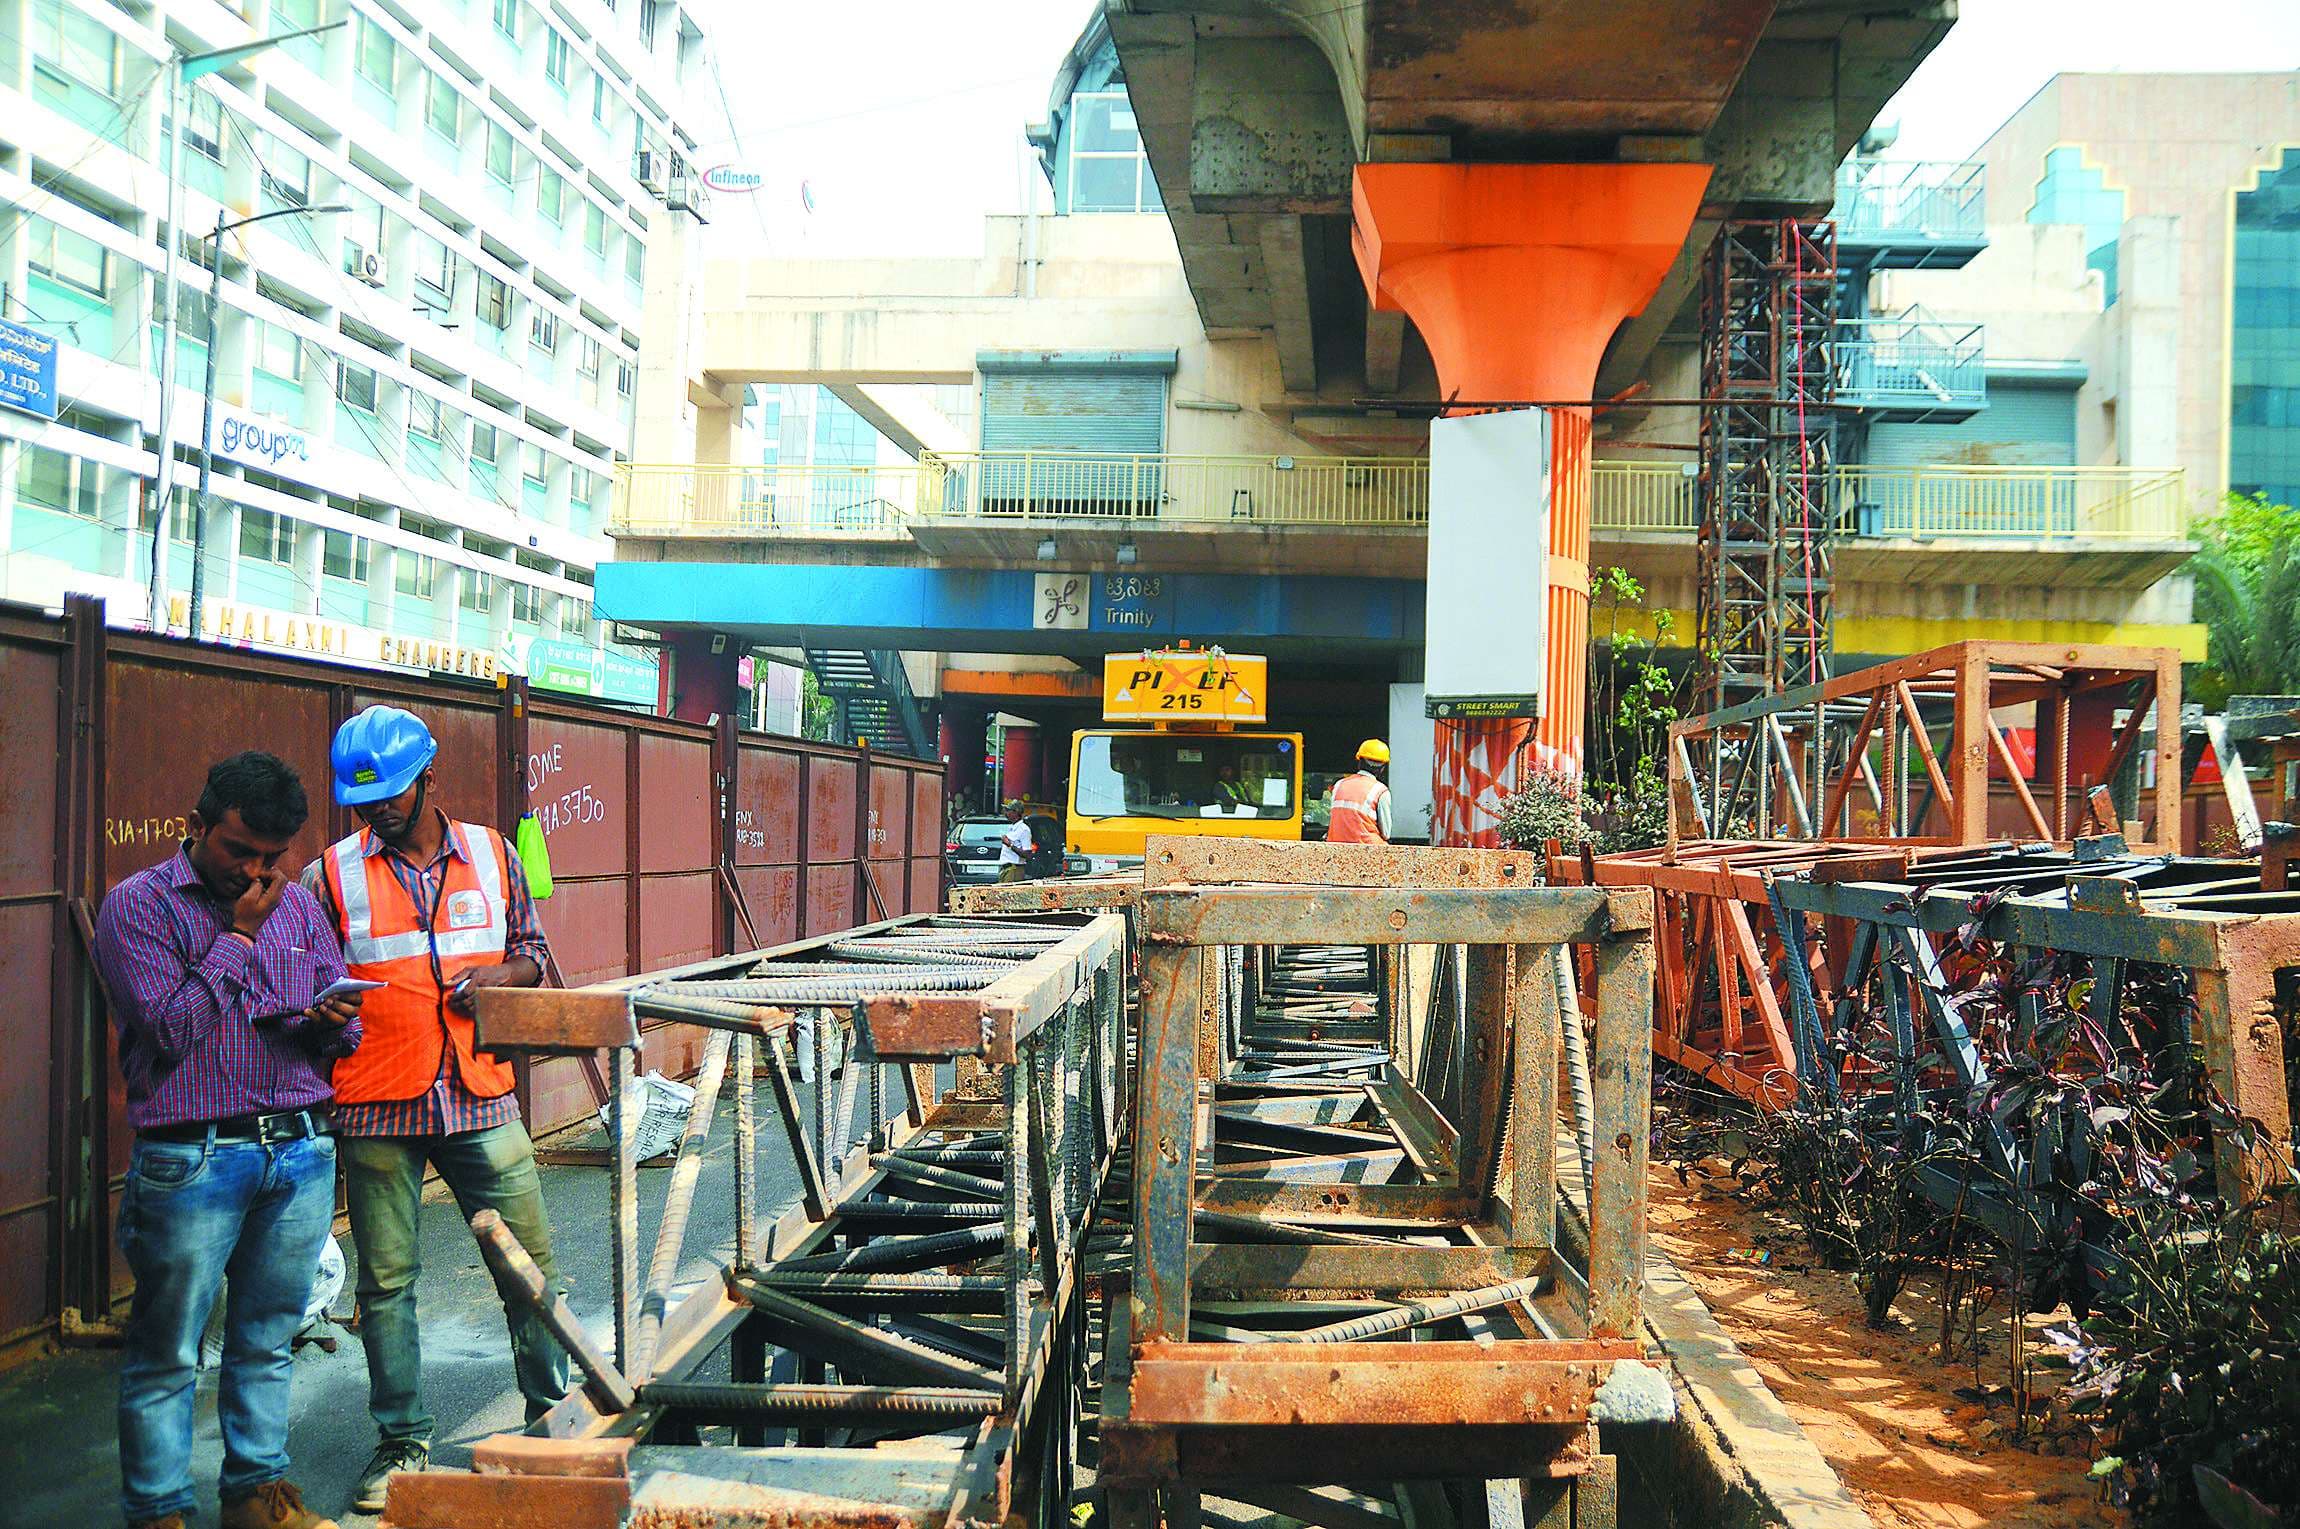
column 921, row 1295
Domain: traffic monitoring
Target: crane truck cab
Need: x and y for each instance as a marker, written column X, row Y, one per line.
column 1187, row 752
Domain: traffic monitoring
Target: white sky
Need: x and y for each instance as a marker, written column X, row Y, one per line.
column 2001, row 52
column 904, row 118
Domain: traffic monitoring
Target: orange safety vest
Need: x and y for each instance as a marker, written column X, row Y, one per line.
column 1357, row 815
column 405, row 1024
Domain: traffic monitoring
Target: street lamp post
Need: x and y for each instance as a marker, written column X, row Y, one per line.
column 200, row 499
column 184, row 69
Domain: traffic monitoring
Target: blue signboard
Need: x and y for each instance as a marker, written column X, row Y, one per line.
column 1133, row 602
column 27, row 370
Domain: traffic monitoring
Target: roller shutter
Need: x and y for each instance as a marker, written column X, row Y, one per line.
column 2028, row 423
column 1105, row 411
column 2025, row 425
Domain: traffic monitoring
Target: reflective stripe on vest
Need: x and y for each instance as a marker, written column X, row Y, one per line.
column 1357, row 817
column 362, row 946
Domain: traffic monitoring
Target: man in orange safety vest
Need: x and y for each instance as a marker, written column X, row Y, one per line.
column 1361, row 812
column 432, row 909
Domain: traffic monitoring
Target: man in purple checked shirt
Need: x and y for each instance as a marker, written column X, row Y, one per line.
column 215, row 958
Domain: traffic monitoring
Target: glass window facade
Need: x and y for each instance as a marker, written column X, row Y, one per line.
column 1109, row 171
column 2072, row 191
column 377, row 58
column 440, row 107
column 2264, row 337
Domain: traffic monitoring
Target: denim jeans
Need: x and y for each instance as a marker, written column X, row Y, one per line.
column 193, row 1213
column 492, row 1169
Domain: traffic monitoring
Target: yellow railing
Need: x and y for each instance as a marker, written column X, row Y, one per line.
column 1218, row 490
column 1918, row 503
column 1643, row 496
column 2014, row 503
column 1892, row 503
column 683, row 499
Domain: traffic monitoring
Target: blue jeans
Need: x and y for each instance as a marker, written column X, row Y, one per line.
column 192, row 1213
column 383, row 1178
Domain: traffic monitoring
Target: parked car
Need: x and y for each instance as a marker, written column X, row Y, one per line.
column 970, row 852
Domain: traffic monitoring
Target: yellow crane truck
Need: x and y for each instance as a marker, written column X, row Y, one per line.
column 1192, row 756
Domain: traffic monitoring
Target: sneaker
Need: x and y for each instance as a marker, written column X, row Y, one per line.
column 391, row 1455
column 274, row 1505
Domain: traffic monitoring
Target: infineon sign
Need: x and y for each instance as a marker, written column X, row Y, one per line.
column 732, row 180
column 1188, row 685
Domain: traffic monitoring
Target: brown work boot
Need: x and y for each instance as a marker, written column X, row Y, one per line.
column 274, row 1505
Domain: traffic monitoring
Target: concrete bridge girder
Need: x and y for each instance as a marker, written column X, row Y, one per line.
column 1253, row 110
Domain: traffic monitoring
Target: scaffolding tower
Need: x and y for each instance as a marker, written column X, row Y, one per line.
column 1768, row 309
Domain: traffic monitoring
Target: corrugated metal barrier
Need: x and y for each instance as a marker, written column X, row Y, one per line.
column 105, row 738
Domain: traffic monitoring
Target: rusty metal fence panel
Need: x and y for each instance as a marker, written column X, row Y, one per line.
column 34, row 1091
column 665, row 836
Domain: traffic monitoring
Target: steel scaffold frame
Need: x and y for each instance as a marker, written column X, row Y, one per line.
column 1768, row 373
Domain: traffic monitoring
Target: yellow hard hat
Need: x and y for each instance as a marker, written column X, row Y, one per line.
column 1374, row 751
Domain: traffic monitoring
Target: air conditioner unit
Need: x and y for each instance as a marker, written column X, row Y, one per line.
column 369, row 268
column 654, row 169
column 687, row 194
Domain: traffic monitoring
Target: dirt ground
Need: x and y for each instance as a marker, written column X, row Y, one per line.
column 1922, row 1443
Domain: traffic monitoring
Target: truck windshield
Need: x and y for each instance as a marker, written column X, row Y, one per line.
column 1184, row 775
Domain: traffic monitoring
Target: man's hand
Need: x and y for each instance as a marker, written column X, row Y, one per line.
column 519, row 972
column 265, row 889
column 338, row 1011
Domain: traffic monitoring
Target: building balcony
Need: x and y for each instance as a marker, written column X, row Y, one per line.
column 1909, row 215
column 1243, row 513
column 1354, row 515
column 2109, row 527
column 1912, row 368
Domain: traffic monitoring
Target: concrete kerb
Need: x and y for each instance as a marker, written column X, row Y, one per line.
column 1733, row 1458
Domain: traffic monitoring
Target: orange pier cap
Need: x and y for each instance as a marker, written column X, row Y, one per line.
column 1517, row 277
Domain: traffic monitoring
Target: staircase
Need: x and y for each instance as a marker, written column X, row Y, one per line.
column 875, row 704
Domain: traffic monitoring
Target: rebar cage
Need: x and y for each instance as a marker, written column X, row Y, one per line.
column 1329, row 1263
column 925, row 1286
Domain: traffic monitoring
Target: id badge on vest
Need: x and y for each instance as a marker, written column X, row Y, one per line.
column 467, row 910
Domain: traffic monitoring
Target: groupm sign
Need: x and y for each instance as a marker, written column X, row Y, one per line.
column 27, row 370
column 732, row 180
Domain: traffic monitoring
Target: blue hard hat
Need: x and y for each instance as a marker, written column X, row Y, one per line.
column 378, row 754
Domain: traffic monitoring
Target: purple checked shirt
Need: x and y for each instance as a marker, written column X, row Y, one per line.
column 210, row 1025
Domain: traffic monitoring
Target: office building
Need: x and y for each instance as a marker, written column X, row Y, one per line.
column 426, row 353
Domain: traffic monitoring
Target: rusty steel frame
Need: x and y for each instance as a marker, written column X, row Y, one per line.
column 1836, row 934
column 838, row 1336
column 1272, row 1196
column 1792, row 765
column 2210, row 918
column 1726, row 968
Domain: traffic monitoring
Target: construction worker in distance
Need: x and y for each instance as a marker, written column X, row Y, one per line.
column 1015, row 846
column 1361, row 812
column 433, row 909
